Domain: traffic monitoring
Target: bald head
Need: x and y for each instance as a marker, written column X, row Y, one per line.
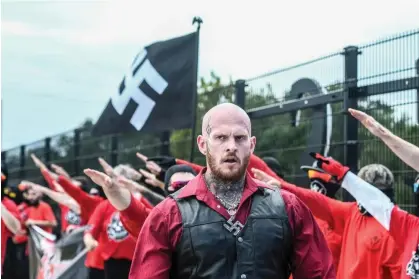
column 226, row 142
column 225, row 113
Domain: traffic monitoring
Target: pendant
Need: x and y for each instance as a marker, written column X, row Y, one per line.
column 232, row 211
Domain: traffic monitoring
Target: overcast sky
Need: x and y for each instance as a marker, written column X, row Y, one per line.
column 61, row 60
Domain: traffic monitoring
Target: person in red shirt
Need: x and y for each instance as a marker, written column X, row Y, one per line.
column 70, row 211
column 33, row 211
column 402, row 226
column 135, row 210
column 107, row 234
column 38, row 213
column 88, row 202
column 10, row 223
column 224, row 224
column 323, row 183
column 376, row 253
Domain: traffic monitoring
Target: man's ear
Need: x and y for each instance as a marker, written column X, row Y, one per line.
column 202, row 145
column 252, row 144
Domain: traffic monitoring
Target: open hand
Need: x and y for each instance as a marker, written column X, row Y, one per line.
column 60, row 170
column 100, row 178
column 264, row 177
column 106, row 167
column 370, row 123
column 38, row 162
column 152, row 166
column 151, row 179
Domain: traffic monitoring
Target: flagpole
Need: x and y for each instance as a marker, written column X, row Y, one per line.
column 198, row 21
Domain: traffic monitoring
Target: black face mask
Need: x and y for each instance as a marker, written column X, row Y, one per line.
column 34, row 203
column 325, row 188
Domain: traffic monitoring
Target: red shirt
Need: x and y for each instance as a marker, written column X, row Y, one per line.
column 87, row 202
column 368, row 251
column 162, row 230
column 134, row 216
column 114, row 241
column 42, row 212
column 5, row 232
column 87, row 205
column 68, row 217
column 404, row 228
column 334, row 240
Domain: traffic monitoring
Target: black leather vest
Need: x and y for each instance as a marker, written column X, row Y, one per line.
column 262, row 249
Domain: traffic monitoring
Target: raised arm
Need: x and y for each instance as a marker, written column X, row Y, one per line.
column 10, row 220
column 60, row 198
column 406, row 151
column 332, row 211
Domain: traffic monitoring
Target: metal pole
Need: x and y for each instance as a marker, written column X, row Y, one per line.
column 350, row 130
column 199, row 21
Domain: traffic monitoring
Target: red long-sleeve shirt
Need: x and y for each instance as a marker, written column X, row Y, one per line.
column 88, row 205
column 333, row 239
column 134, row 216
column 5, row 232
column 114, row 241
column 87, row 202
column 404, row 228
column 162, row 230
column 65, row 211
column 368, row 251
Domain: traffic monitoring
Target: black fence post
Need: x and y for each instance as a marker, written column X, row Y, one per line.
column 350, row 130
column 47, row 151
column 165, row 140
column 22, row 160
column 240, row 94
column 76, row 150
column 114, row 150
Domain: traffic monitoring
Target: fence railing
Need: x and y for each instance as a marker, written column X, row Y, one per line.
column 294, row 111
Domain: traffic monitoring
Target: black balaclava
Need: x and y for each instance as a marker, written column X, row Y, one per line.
column 171, row 171
column 165, row 162
column 379, row 176
column 321, row 182
column 274, row 165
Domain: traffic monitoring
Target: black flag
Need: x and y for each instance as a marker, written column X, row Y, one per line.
column 156, row 93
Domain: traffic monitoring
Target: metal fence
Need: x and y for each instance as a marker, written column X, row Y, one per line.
column 294, row 111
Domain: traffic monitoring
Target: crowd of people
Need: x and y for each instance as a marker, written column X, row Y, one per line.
column 236, row 217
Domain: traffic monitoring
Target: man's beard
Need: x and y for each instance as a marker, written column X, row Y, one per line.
column 33, row 203
column 233, row 176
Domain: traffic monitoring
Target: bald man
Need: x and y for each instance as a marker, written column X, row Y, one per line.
column 224, row 224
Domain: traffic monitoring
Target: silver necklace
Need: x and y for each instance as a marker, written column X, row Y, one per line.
column 230, row 207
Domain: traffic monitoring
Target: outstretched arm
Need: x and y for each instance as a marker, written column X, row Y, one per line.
column 332, row 211
column 60, row 198
column 375, row 202
column 406, row 151
column 12, row 223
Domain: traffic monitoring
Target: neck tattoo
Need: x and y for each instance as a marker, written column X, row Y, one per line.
column 227, row 193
